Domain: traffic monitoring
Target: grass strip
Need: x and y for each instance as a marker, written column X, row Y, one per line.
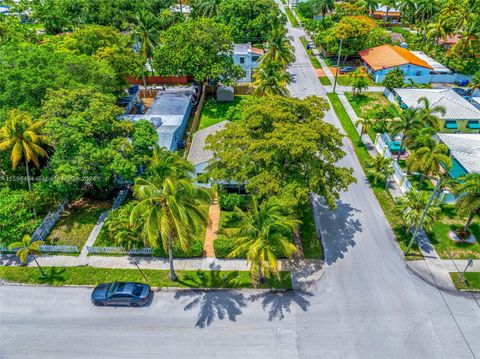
column 384, row 198
column 59, row 276
column 471, row 281
column 291, row 17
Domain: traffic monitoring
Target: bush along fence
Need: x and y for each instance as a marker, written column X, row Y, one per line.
column 45, row 248
column 120, row 250
column 49, row 221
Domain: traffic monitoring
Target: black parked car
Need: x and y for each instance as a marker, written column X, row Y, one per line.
column 121, row 293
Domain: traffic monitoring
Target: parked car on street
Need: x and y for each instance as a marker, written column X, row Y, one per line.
column 347, row 69
column 122, row 294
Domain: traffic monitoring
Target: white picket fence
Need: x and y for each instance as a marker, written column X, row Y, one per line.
column 381, row 144
column 120, row 250
column 48, row 222
column 46, row 248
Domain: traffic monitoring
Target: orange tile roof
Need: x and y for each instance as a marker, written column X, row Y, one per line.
column 387, row 56
column 257, row 51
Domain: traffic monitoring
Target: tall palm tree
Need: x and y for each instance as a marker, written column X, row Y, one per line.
column 279, row 49
column 26, row 248
column 426, row 9
column 428, row 159
column 370, row 6
column 367, row 125
column 412, row 206
column 468, row 191
column 324, row 6
column 147, row 32
column 428, row 114
column 407, row 9
column 166, row 164
column 263, row 232
column 23, row 138
column 169, row 211
column 271, row 79
column 380, row 168
column 404, row 124
column 208, row 8
column 389, row 4
column 421, row 137
column 436, row 31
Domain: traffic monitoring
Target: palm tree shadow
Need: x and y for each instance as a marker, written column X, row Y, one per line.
column 53, row 275
column 277, row 303
column 212, row 304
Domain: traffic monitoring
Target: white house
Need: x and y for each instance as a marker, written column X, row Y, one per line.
column 248, row 58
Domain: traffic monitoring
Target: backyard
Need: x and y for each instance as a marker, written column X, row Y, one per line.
column 77, row 221
column 214, row 112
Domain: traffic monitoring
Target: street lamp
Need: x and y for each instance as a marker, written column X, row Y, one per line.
column 338, row 65
column 424, row 214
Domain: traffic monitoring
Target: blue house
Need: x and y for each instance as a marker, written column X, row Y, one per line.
column 248, row 58
column 379, row 61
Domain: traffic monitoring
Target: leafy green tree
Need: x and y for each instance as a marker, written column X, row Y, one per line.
column 428, row 159
column 169, row 211
column 281, row 146
column 380, row 168
column 279, row 49
column 250, row 20
column 263, row 233
column 26, row 247
column 412, row 206
column 23, row 138
column 200, row 48
column 468, row 203
column 394, row 79
column 271, row 79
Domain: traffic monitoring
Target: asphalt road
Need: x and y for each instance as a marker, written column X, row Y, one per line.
column 366, row 305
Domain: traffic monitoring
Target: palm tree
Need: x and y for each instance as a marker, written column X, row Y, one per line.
column 370, row 6
column 26, row 247
column 428, row 159
column 436, row 31
column 367, row 125
column 383, row 117
column 428, row 114
column 324, row 6
column 412, row 206
column 279, row 49
column 263, row 233
column 147, row 32
column 407, row 9
column 23, row 137
column 208, row 8
column 380, row 168
column 166, row 164
column 124, row 233
column 169, row 212
column 404, row 124
column 468, row 203
column 359, row 84
column 421, row 137
column 388, row 4
column 426, row 9
column 271, row 79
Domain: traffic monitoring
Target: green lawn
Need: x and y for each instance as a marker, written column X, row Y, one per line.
column 324, row 80
column 214, row 112
column 384, row 198
column 291, row 18
column 368, row 103
column 472, row 280
column 346, row 80
column 311, row 245
column 445, row 247
column 59, row 276
column 76, row 222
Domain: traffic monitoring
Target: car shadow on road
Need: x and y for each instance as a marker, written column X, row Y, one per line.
column 338, row 228
column 277, row 303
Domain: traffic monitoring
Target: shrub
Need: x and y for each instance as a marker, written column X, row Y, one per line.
column 228, row 201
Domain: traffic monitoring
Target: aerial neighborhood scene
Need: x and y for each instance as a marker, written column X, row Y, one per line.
column 239, row 178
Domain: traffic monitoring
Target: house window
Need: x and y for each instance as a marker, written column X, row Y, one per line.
column 451, row 125
column 418, row 73
column 255, row 58
column 474, row 125
column 242, row 60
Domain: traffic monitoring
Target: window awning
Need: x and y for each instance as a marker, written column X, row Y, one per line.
column 474, row 125
column 451, row 125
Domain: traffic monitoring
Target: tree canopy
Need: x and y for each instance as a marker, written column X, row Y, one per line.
column 282, row 147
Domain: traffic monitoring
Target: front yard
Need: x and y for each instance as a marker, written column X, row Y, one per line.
column 214, row 112
column 76, row 222
column 59, row 276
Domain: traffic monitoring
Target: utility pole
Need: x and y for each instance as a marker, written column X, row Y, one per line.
column 338, row 65
column 424, row 214
column 469, row 264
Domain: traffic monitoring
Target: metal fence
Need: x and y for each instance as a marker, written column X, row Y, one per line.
column 381, row 144
column 46, row 248
column 49, row 221
column 120, row 250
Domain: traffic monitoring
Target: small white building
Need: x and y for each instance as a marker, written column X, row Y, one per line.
column 248, row 58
